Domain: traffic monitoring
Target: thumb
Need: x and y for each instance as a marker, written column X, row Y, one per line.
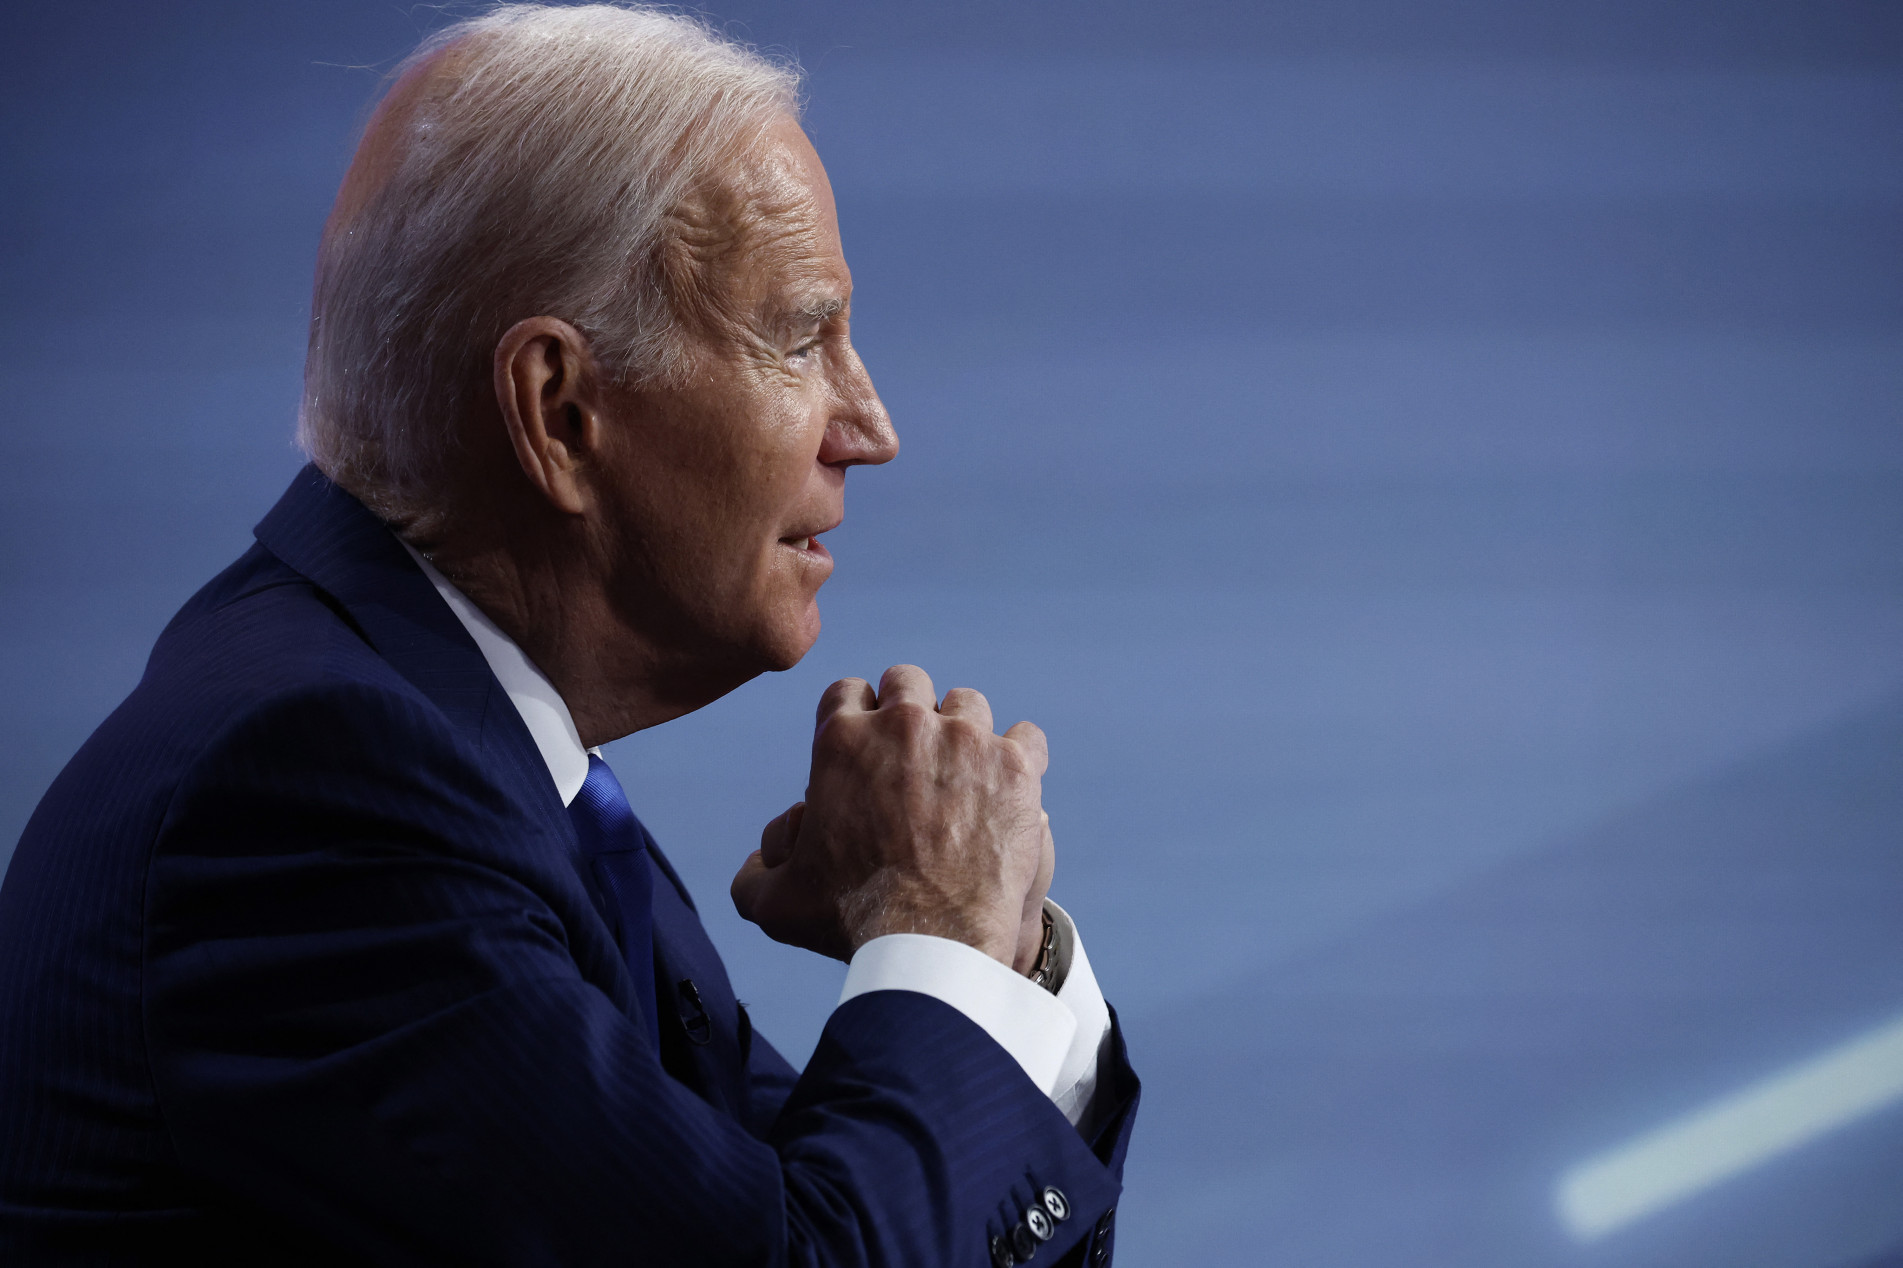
column 776, row 839
column 749, row 887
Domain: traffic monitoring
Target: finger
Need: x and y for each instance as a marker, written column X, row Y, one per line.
column 776, row 839
column 1031, row 922
column 963, row 702
column 848, row 695
column 748, row 885
column 1046, row 868
column 907, row 684
column 1028, row 737
column 787, row 908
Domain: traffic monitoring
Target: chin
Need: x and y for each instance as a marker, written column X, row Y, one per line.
column 786, row 642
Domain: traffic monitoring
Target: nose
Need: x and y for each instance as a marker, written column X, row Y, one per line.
column 860, row 432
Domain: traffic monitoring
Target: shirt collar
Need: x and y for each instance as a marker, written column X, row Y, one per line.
column 543, row 710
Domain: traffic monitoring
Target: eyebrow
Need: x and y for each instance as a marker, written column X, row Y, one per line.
column 822, row 309
column 801, row 314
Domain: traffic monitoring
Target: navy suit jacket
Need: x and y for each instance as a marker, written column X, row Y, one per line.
column 297, row 965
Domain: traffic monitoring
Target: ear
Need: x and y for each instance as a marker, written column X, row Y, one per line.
column 548, row 389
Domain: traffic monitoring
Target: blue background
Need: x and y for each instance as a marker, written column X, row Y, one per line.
column 1434, row 469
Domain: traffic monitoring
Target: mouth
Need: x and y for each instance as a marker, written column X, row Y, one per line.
column 808, row 544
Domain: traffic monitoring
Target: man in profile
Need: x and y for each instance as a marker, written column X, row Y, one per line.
column 339, row 942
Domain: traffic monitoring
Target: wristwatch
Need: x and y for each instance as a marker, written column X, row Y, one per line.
column 1044, row 971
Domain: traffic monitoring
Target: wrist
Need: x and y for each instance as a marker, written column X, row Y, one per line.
column 881, row 914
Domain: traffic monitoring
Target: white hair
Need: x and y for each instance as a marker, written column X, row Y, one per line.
column 533, row 176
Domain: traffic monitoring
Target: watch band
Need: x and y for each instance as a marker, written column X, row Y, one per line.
column 1044, row 971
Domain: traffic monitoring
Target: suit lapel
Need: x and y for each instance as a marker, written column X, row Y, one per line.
column 333, row 539
column 701, row 1040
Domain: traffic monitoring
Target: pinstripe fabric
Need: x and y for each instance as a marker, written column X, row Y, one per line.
column 296, row 964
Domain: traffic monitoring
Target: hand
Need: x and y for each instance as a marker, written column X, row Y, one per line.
column 1031, row 923
column 917, row 819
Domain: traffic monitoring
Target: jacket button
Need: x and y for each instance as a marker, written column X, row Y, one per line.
column 1024, row 1242
column 1039, row 1223
column 1001, row 1256
column 1056, row 1203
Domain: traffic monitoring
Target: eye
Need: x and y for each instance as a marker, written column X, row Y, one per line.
column 808, row 348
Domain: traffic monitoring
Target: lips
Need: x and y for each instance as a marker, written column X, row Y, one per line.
column 809, row 540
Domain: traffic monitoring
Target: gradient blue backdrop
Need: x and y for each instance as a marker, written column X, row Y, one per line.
column 1434, row 469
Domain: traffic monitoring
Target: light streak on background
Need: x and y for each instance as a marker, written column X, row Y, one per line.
column 1729, row 1136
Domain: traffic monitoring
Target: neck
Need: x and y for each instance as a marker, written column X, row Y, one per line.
column 543, row 586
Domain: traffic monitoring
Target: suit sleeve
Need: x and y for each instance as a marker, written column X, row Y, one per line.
column 770, row 1079
column 365, row 1018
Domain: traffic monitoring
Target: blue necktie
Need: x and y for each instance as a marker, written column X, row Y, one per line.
column 615, row 845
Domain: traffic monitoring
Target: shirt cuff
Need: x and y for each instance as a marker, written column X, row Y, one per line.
column 1026, row 1020
column 1056, row 1039
column 1076, row 1083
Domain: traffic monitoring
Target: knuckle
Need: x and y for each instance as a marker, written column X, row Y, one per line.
column 1017, row 761
column 973, row 748
column 840, row 693
column 963, row 732
column 834, row 736
column 908, row 716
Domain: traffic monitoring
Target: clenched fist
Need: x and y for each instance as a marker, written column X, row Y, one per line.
column 917, row 819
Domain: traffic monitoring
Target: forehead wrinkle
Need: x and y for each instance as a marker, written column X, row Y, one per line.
column 720, row 227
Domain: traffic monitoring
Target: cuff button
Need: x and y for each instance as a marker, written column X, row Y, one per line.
column 1001, row 1256
column 1056, row 1203
column 1025, row 1243
column 1039, row 1223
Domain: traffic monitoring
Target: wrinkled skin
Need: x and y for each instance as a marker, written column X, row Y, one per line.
column 917, row 820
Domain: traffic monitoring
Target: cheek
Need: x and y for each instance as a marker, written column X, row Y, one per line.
column 741, row 471
column 774, row 491
column 742, row 499
column 732, row 482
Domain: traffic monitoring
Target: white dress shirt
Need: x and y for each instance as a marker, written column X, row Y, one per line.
column 1057, row 1038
